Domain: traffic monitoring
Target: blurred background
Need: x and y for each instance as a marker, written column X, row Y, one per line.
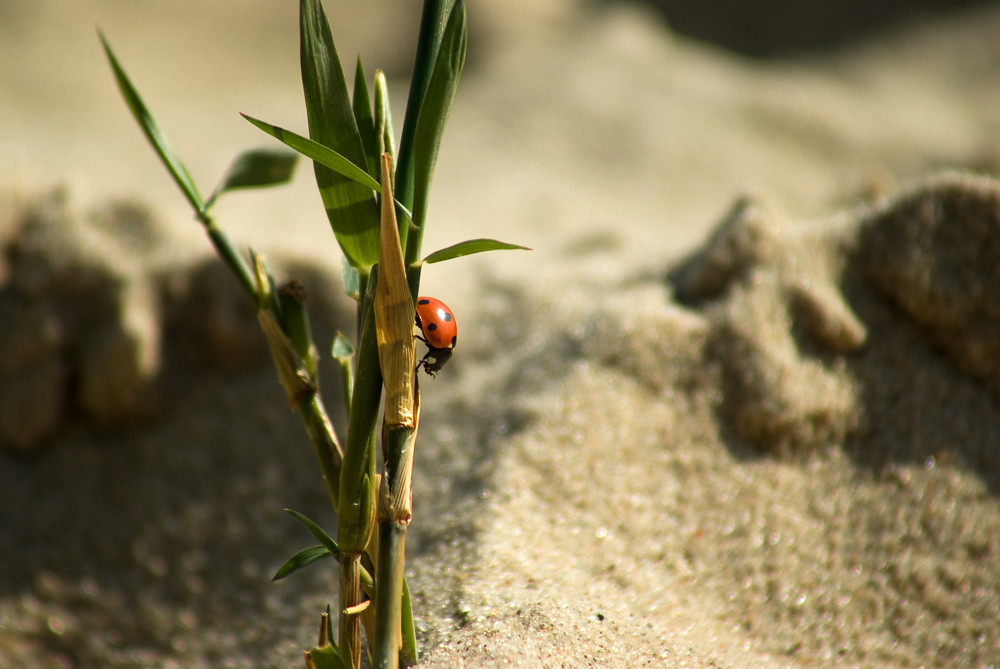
column 782, row 28
column 666, row 104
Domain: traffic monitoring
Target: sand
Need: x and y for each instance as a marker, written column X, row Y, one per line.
column 738, row 408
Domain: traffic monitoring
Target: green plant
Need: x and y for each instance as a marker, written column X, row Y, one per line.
column 357, row 169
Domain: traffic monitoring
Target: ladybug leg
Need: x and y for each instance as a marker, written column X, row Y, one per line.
column 423, row 363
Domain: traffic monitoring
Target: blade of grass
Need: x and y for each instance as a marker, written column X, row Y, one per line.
column 318, row 532
column 432, row 23
column 300, row 560
column 322, row 155
column 351, row 208
column 366, row 122
column 325, row 156
column 256, row 168
column 430, row 127
column 367, row 582
column 147, row 122
column 470, row 247
column 151, row 129
column 436, row 106
column 408, row 655
column 383, row 118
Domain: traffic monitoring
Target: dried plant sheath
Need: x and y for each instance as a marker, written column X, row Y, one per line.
column 394, row 318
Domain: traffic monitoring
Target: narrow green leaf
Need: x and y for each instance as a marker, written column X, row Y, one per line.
column 408, row 654
column 343, row 353
column 350, row 207
column 351, row 280
column 432, row 23
column 317, row 533
column 329, row 627
column 471, row 246
column 367, row 582
column 433, row 116
column 256, row 168
column 383, row 117
column 152, row 131
column 302, row 559
column 326, row 657
column 324, row 156
column 366, row 122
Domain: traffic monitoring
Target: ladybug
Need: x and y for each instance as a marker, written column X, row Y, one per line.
column 440, row 333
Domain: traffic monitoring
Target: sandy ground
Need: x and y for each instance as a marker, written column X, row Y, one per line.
column 739, row 408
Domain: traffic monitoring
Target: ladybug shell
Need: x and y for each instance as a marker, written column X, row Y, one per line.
column 437, row 323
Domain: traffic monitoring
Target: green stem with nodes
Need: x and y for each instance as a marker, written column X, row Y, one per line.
column 356, row 510
column 229, row 255
column 394, row 519
column 397, row 357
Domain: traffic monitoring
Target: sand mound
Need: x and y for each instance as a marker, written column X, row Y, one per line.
column 788, row 470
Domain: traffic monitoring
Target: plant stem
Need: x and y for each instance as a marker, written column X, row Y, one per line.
column 356, row 509
column 325, row 444
column 388, row 606
column 397, row 357
column 350, row 623
column 394, row 514
column 229, row 255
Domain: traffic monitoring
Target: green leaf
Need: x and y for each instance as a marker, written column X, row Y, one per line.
column 329, row 627
column 256, row 168
column 323, row 155
column 432, row 23
column 342, row 349
column 471, row 246
column 317, row 532
column 433, row 115
column 303, row 558
column 383, row 117
column 350, row 207
column 367, row 582
column 343, row 353
column 153, row 133
column 351, row 279
column 366, row 122
column 326, row 657
column 408, row 654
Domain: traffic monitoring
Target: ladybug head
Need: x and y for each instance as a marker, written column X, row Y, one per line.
column 434, row 360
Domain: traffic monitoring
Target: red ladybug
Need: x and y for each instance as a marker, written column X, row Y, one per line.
column 440, row 333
